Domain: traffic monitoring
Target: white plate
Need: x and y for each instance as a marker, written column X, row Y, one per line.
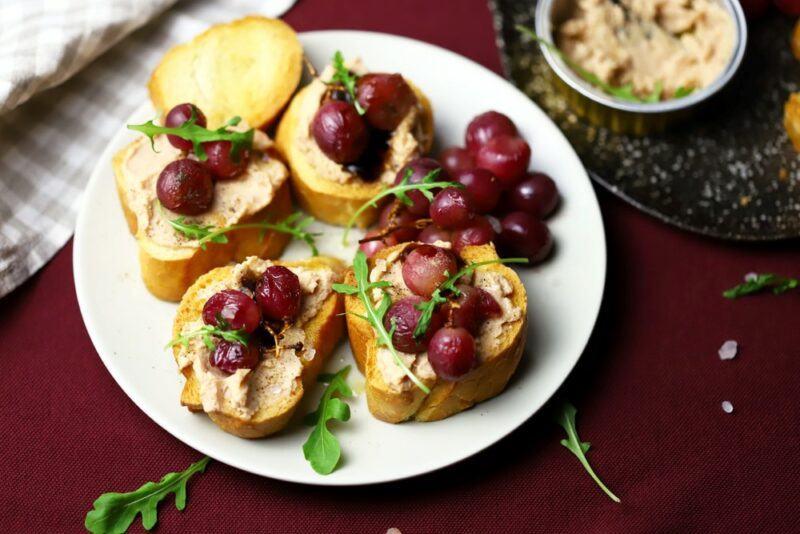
column 129, row 327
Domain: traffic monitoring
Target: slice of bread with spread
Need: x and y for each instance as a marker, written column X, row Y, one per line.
column 392, row 396
column 247, row 68
column 253, row 403
column 328, row 190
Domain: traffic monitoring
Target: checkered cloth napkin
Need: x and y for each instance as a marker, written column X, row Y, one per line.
column 71, row 72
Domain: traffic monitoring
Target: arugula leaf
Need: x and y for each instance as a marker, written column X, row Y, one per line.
column 428, row 307
column 375, row 315
column 622, row 92
column 566, row 418
column 682, row 92
column 762, row 282
column 343, row 75
column 400, row 190
column 295, row 225
column 206, row 332
column 191, row 131
column 113, row 513
column 322, row 449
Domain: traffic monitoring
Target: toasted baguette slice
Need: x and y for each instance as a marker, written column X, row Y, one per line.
column 249, row 67
column 322, row 332
column 446, row 397
column 327, row 199
column 168, row 268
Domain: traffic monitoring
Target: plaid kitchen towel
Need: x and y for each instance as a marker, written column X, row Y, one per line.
column 51, row 130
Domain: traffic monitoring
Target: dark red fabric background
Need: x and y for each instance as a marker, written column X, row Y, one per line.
column 648, row 390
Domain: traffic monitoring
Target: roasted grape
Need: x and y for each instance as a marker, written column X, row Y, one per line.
column 535, row 194
column 230, row 356
column 525, row 235
column 178, row 116
column 405, row 316
column 340, row 132
column 426, row 267
column 452, row 208
column 451, row 352
column 234, row 309
column 456, row 159
column 185, row 187
column 279, row 293
column 419, row 168
column 482, row 186
column 479, row 232
column 486, row 127
column 387, row 98
column 506, row 157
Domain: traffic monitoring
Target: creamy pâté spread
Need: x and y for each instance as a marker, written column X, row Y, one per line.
column 677, row 43
column 234, row 199
column 487, row 341
column 404, row 143
column 279, row 372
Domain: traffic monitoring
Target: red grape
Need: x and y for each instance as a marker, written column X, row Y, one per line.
column 432, row 233
column 406, row 316
column 506, row 157
column 236, row 309
column 340, row 132
column 403, row 219
column 222, row 163
column 535, row 194
column 451, row 352
column 279, row 294
column 452, row 208
column 230, row 356
column 456, row 159
column 487, row 126
column 525, row 235
column 185, row 187
column 420, row 168
column 483, row 187
column 472, row 307
column 177, row 117
column 370, row 248
column 387, row 98
column 426, row 267
column 479, row 232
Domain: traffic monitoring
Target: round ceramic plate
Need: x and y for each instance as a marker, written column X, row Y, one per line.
column 129, row 327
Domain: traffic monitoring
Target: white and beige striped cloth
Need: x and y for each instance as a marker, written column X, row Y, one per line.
column 71, row 71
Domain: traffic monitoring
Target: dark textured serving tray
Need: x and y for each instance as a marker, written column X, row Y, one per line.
column 729, row 172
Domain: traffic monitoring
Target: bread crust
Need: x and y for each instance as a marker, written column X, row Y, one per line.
column 249, row 67
column 446, row 397
column 328, row 200
column 167, row 271
column 322, row 333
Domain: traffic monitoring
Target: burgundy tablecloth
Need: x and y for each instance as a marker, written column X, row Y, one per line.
column 648, row 390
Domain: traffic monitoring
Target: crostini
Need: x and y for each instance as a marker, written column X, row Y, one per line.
column 206, row 173
column 251, row 338
column 347, row 134
column 473, row 339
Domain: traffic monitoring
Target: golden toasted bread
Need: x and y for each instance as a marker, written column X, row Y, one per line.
column 249, row 67
column 327, row 199
column 791, row 119
column 322, row 333
column 388, row 403
column 169, row 267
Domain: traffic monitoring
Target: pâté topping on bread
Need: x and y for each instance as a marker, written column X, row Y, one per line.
column 414, row 325
column 247, row 335
column 348, row 133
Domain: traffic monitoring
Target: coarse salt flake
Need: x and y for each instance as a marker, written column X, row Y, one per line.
column 728, row 350
column 727, row 407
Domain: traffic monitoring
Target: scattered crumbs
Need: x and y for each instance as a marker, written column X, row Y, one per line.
column 727, row 407
column 728, row 350
column 744, row 200
column 750, row 277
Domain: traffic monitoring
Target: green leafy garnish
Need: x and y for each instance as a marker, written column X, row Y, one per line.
column 682, row 91
column 400, row 191
column 294, row 225
column 191, row 131
column 374, row 315
column 207, row 333
column 113, row 513
column 622, row 92
column 322, row 449
column 566, row 418
column 428, row 307
column 762, row 282
column 343, row 75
